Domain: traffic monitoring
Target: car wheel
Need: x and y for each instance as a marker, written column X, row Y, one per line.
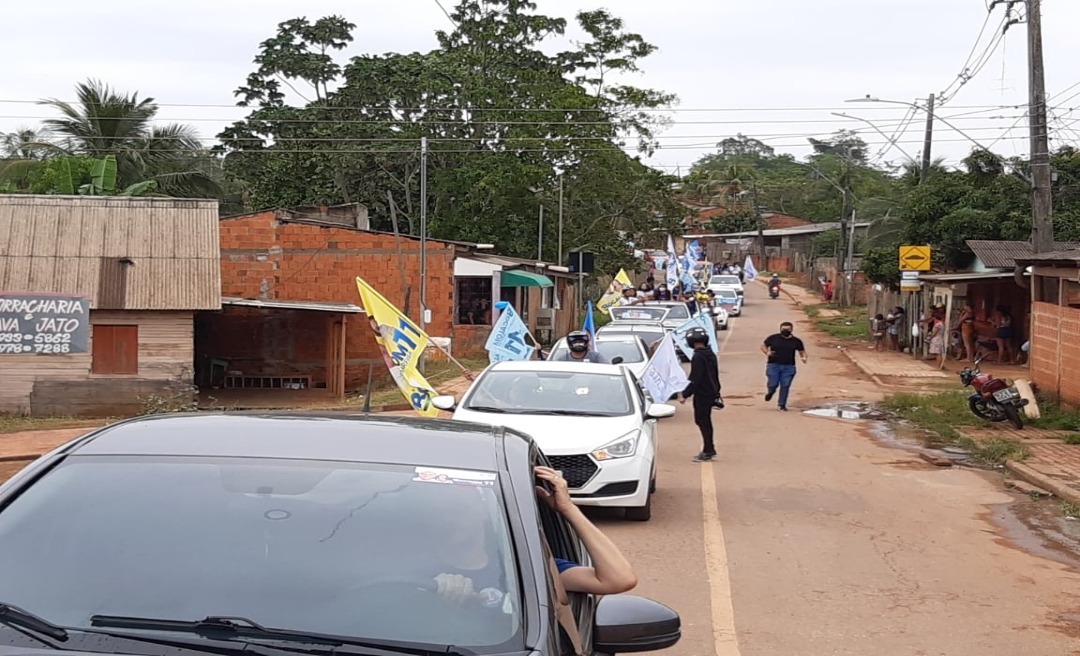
column 652, row 485
column 640, row 513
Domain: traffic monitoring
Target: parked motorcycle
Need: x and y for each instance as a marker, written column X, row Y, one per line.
column 994, row 399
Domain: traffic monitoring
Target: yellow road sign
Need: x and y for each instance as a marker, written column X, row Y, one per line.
column 914, row 258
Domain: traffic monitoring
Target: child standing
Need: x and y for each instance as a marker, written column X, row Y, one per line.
column 877, row 328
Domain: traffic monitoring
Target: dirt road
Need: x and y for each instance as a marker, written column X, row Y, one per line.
column 806, row 537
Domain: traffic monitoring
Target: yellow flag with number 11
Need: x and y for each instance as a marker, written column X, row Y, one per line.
column 402, row 343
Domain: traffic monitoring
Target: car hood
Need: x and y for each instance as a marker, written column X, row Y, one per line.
column 559, row 435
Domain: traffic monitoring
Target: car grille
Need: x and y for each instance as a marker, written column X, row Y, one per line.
column 577, row 470
column 613, row 490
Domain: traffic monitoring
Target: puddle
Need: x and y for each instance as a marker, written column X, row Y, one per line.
column 1039, row 527
column 848, row 410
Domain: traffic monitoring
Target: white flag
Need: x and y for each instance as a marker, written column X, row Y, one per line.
column 671, row 268
column 748, row 269
column 664, row 376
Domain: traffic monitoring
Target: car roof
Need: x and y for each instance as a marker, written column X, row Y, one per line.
column 628, row 327
column 556, row 366
column 301, row 436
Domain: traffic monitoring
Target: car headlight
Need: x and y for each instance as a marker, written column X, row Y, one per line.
column 623, row 447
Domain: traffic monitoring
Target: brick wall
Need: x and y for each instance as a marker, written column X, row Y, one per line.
column 1055, row 350
column 264, row 258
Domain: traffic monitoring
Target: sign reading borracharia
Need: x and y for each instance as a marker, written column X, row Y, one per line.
column 49, row 324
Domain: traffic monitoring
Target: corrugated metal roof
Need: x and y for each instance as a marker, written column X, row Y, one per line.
column 966, row 276
column 1061, row 257
column 347, row 308
column 997, row 254
column 780, row 232
column 124, row 253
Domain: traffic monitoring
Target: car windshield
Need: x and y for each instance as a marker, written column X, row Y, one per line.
column 726, row 293
column 678, row 312
column 551, row 392
column 314, row 546
column 626, row 348
column 629, row 313
column 646, row 334
column 724, row 280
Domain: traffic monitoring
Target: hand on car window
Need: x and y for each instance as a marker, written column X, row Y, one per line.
column 560, row 499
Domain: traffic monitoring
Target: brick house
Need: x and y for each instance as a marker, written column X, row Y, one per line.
column 291, row 317
column 97, row 300
column 1055, row 323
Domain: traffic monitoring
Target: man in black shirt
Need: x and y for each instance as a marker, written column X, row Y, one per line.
column 780, row 370
column 705, row 388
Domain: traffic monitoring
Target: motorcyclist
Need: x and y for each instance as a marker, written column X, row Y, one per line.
column 774, row 285
column 577, row 345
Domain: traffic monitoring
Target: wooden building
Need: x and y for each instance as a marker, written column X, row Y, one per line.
column 97, row 299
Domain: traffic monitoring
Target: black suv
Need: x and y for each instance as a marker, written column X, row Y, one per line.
column 283, row 532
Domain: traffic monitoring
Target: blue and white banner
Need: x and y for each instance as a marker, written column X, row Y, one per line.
column 693, row 249
column 749, row 271
column 507, row 339
column 672, row 268
column 664, row 377
column 590, row 326
column 700, row 320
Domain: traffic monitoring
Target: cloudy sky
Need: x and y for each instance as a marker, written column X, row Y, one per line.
column 773, row 69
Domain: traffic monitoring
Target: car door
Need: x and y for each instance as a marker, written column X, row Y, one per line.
column 566, row 544
column 644, row 399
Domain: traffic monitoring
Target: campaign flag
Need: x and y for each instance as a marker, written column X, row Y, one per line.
column 402, row 343
column 664, row 376
column 590, row 326
column 694, row 250
column 699, row 320
column 507, row 338
column 749, row 272
column 672, row 268
column 614, row 291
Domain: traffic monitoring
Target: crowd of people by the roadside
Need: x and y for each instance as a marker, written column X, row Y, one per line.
column 972, row 335
column 695, row 300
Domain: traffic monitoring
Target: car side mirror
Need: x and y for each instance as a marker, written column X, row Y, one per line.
column 660, row 411
column 618, row 359
column 626, row 623
column 444, row 402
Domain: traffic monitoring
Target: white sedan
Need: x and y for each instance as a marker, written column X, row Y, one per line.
column 631, row 349
column 594, row 422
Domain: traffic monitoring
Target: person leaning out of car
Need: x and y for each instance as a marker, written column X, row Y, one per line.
column 467, row 561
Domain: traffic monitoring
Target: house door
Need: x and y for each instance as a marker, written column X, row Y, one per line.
column 335, row 357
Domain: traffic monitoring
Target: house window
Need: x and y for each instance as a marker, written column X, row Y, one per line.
column 549, row 299
column 1046, row 290
column 472, row 295
column 115, row 349
column 1070, row 293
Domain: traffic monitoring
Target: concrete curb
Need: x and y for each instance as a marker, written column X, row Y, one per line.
column 1037, row 478
column 863, row 368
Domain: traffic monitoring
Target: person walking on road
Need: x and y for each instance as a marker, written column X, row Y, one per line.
column 780, row 348
column 704, row 387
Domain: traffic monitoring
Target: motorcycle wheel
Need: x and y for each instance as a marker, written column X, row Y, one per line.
column 1013, row 415
column 984, row 412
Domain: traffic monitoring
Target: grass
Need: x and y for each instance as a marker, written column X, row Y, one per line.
column 1054, row 417
column 18, row 423
column 943, row 413
column 1071, row 510
column 385, row 392
column 851, row 324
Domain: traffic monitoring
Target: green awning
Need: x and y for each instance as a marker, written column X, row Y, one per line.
column 518, row 278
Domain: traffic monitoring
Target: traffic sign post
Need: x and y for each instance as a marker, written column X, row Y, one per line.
column 914, row 258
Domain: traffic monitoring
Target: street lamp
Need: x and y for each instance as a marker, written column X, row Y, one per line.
column 891, row 140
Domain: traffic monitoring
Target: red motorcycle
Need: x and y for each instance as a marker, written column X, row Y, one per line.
column 994, row 399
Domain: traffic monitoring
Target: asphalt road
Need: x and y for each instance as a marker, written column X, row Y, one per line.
column 809, row 536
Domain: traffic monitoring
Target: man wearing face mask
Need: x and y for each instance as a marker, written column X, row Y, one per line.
column 780, row 349
column 577, row 345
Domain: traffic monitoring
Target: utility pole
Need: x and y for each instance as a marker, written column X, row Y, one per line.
column 560, row 260
column 763, row 264
column 846, row 212
column 540, row 236
column 927, row 140
column 1042, row 208
column 423, row 239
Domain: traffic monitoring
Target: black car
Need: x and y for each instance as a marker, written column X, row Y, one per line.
column 276, row 533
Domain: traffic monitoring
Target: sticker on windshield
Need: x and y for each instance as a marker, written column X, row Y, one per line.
column 581, row 391
column 454, row 476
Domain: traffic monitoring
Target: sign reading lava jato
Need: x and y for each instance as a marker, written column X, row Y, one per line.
column 49, row 324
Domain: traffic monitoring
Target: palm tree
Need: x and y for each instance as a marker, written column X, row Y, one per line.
column 22, row 144
column 104, row 122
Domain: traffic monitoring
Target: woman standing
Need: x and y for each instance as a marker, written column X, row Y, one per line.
column 965, row 323
column 1004, row 334
column 937, row 339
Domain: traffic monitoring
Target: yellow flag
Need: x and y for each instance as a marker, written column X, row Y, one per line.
column 614, row 291
column 402, row 343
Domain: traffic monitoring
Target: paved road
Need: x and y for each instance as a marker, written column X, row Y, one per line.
column 807, row 537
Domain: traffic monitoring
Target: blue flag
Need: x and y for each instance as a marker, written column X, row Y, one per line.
column 590, row 325
column 700, row 320
column 507, row 339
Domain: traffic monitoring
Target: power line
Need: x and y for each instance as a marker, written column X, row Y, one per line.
column 446, row 13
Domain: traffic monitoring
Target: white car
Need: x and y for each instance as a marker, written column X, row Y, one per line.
column 726, row 281
column 632, row 350
column 594, row 422
column 730, row 301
